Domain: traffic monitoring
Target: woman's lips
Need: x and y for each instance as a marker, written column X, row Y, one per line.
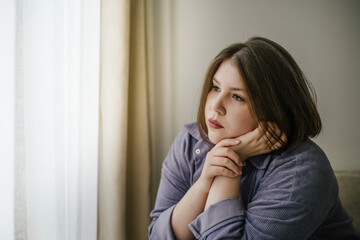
column 214, row 124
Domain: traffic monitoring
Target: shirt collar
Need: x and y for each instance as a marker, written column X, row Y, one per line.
column 193, row 130
column 259, row 161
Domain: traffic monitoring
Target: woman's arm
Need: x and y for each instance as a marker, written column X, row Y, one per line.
column 177, row 204
column 251, row 144
column 189, row 207
column 223, row 188
column 295, row 195
column 220, row 161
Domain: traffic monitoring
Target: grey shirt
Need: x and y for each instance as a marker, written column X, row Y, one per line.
column 289, row 196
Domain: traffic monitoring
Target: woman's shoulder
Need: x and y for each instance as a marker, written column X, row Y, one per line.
column 188, row 136
column 189, row 132
column 308, row 154
column 309, row 149
column 309, row 170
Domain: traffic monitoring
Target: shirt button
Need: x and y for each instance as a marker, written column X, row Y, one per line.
column 197, row 151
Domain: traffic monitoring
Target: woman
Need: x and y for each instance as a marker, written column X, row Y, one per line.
column 234, row 174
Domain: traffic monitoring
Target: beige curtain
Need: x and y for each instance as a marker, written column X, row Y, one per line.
column 125, row 119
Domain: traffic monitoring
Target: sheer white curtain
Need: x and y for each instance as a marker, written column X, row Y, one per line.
column 49, row 135
column 7, row 118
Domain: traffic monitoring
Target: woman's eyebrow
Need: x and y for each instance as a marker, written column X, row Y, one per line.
column 216, row 81
column 234, row 89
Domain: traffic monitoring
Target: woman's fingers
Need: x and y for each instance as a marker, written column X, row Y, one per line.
column 280, row 143
column 265, row 138
column 283, row 138
column 228, row 153
column 222, row 161
column 274, row 137
column 226, row 163
column 251, row 136
column 221, row 171
column 227, row 142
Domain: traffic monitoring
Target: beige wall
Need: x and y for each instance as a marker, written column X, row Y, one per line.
column 323, row 36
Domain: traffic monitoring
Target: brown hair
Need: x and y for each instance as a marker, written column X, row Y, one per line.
column 277, row 90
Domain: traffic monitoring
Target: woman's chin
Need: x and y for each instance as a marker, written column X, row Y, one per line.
column 215, row 139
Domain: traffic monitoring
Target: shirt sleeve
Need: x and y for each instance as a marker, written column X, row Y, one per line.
column 174, row 183
column 292, row 200
column 222, row 219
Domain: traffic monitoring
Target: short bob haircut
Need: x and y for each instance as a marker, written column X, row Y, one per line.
column 277, row 91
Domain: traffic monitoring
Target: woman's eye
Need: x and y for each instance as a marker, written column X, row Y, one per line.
column 238, row 98
column 216, row 88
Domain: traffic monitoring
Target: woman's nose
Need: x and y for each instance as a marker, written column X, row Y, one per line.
column 218, row 105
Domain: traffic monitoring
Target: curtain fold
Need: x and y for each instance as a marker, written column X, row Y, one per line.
column 125, row 119
column 114, row 74
column 139, row 115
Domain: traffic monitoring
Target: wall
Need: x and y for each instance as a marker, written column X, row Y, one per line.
column 323, row 36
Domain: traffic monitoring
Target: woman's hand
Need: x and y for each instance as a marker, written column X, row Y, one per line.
column 258, row 142
column 222, row 160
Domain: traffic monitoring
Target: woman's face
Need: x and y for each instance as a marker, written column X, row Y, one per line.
column 227, row 112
